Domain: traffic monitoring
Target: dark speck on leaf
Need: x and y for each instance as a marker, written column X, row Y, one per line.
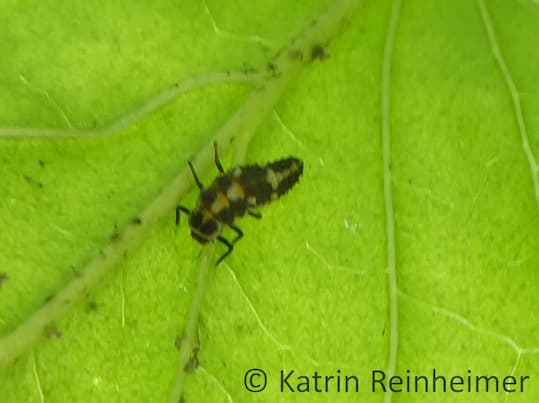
column 318, row 52
column 116, row 234
column 178, row 342
column 32, row 181
column 295, row 54
column 52, row 332
column 3, row 278
column 75, row 271
column 191, row 365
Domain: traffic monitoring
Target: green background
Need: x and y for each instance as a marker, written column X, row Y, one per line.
column 311, row 290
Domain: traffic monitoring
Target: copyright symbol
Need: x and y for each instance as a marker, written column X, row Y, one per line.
column 255, row 380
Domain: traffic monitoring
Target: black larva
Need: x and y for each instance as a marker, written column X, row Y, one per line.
column 235, row 193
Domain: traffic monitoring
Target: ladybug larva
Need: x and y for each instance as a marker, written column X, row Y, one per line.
column 237, row 192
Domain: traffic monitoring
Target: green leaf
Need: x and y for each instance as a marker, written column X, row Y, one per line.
column 306, row 289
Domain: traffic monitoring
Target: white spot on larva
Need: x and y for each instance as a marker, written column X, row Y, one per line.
column 251, row 200
column 234, row 192
column 274, row 196
column 272, row 178
column 236, row 173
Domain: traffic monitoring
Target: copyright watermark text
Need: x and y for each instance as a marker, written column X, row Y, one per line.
column 434, row 381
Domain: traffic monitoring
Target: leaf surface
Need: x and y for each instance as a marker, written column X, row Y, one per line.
column 307, row 287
